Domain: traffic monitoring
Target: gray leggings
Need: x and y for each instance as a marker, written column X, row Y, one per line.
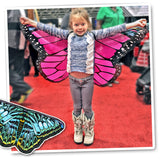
column 82, row 92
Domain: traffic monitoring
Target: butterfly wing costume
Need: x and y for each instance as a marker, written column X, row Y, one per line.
column 52, row 59
column 26, row 129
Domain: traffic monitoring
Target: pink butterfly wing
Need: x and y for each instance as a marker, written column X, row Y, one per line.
column 53, row 56
column 104, row 50
column 104, row 70
column 53, row 67
column 52, row 59
column 108, row 51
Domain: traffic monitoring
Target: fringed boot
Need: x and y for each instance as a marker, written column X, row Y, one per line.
column 89, row 130
column 78, row 131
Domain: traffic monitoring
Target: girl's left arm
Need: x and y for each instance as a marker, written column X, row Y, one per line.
column 107, row 32
column 140, row 23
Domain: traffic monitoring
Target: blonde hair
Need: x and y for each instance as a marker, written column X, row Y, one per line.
column 81, row 13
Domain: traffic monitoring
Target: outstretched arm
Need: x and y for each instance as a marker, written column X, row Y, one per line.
column 60, row 33
column 25, row 20
column 107, row 32
column 140, row 23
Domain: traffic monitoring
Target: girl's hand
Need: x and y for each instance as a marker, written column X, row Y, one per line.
column 140, row 23
column 25, row 20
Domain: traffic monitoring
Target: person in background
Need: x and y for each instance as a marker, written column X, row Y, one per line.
column 17, row 49
column 65, row 20
column 109, row 17
column 33, row 53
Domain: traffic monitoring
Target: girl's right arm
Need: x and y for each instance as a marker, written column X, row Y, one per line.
column 57, row 32
column 25, row 20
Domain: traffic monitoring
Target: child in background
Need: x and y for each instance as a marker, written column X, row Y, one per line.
column 80, row 65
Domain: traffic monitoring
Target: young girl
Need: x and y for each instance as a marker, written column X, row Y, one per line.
column 80, row 65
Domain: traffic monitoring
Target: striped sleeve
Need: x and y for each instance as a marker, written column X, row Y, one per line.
column 107, row 32
column 54, row 31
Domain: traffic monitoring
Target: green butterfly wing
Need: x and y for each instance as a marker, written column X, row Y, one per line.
column 26, row 129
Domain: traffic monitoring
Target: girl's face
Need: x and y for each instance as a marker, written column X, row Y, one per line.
column 79, row 25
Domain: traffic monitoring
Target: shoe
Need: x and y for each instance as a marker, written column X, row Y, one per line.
column 89, row 130
column 36, row 74
column 15, row 99
column 109, row 84
column 26, row 74
column 24, row 96
column 78, row 131
column 116, row 82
